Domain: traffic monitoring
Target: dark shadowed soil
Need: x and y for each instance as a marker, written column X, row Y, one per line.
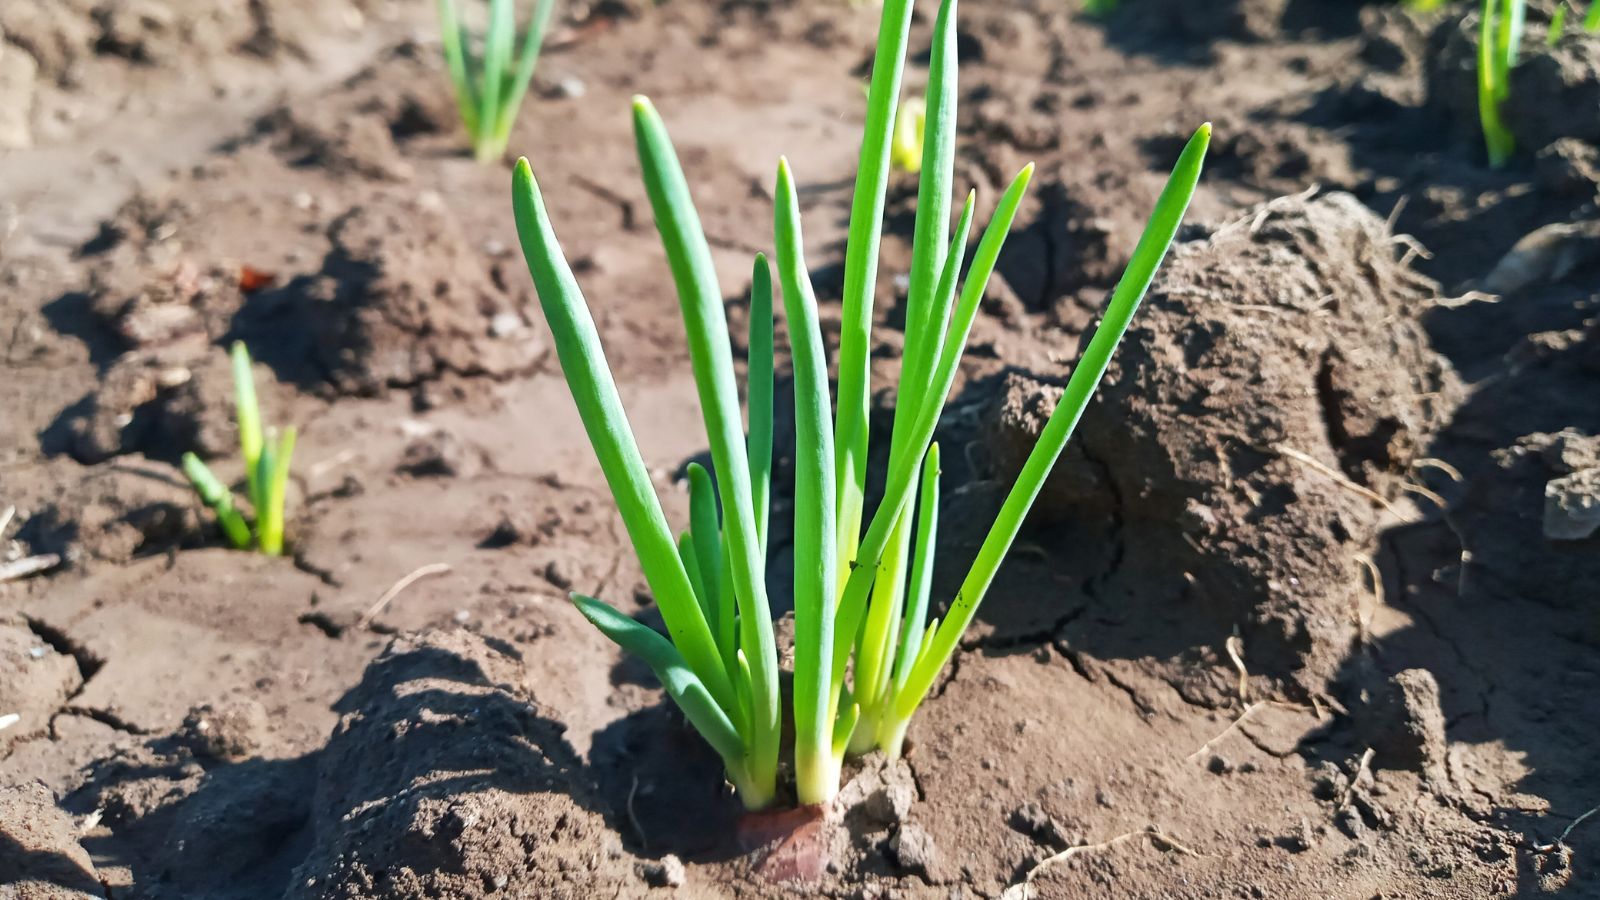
column 1308, row 609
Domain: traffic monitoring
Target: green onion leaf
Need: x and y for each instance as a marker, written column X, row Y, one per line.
column 455, row 59
column 532, row 41
column 588, row 376
column 861, row 272
column 710, row 355
column 706, row 533
column 248, row 412
column 902, row 479
column 214, row 494
column 496, row 57
column 681, row 682
column 758, row 395
column 816, row 769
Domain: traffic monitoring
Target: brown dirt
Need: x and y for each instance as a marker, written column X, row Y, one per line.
column 1271, row 468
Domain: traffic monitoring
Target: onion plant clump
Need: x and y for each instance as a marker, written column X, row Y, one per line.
column 491, row 84
column 266, row 455
column 865, row 656
column 1500, row 26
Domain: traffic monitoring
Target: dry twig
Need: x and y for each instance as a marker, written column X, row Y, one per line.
column 1235, row 648
column 1023, row 890
column 1364, row 620
column 1248, row 712
column 28, row 565
column 394, row 591
column 1318, row 466
column 1562, row 840
column 1361, row 768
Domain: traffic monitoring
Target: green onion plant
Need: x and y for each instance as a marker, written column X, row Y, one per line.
column 1499, row 42
column 865, row 654
column 491, row 84
column 266, row 455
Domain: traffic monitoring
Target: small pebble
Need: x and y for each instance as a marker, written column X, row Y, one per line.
column 504, row 324
column 667, row 871
column 570, row 87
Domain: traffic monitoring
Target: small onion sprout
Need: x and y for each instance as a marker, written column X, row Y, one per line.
column 489, row 88
column 266, row 456
column 1500, row 26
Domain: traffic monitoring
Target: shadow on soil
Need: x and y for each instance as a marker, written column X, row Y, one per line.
column 426, row 730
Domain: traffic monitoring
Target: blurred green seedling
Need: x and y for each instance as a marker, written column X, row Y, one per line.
column 490, row 84
column 266, row 469
column 1500, row 25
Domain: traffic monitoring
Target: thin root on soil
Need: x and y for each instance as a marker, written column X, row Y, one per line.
column 1317, row 465
column 1248, row 712
column 1023, row 889
column 420, row 573
column 1562, row 840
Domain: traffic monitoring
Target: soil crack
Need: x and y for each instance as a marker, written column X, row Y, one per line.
column 1428, row 621
column 305, row 565
column 1041, row 638
column 103, row 716
column 88, row 663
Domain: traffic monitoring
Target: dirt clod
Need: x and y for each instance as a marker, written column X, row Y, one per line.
column 914, row 850
column 880, row 794
column 1406, row 726
column 411, row 299
column 1543, row 482
column 1032, row 820
column 1287, row 335
column 229, row 732
column 440, row 453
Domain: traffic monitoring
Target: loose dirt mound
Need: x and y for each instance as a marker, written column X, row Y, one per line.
column 445, row 779
column 410, row 302
column 40, row 857
column 1266, row 405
